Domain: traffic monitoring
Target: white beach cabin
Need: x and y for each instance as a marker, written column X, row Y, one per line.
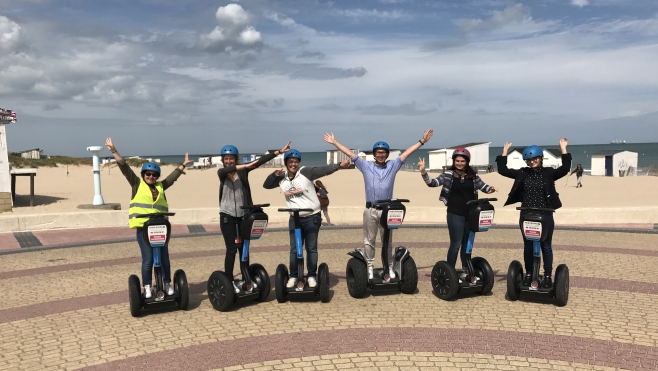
column 442, row 158
column 551, row 158
column 368, row 155
column 615, row 163
column 335, row 156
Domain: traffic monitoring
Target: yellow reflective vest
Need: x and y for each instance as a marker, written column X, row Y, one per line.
column 143, row 203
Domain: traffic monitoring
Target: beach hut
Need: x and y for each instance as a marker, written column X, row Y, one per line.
column 442, row 158
column 277, row 161
column 335, row 156
column 551, row 158
column 369, row 156
column 615, row 163
column 6, row 117
column 32, row 154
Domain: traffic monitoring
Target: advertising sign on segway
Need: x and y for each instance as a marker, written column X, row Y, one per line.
column 258, row 228
column 395, row 218
column 486, row 218
column 157, row 235
column 532, row 230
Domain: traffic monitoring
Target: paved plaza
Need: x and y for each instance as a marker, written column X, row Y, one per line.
column 67, row 309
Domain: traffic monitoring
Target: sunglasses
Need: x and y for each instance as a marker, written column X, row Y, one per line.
column 154, row 175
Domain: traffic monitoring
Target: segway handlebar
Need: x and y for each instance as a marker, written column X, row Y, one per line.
column 480, row 201
column 254, row 206
column 392, row 200
column 154, row 215
column 293, row 210
column 536, row 208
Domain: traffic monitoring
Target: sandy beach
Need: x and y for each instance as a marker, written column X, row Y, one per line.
column 55, row 192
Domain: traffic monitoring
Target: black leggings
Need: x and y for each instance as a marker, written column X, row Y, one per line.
column 229, row 226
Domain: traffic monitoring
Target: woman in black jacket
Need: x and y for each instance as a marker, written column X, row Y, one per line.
column 234, row 192
column 534, row 186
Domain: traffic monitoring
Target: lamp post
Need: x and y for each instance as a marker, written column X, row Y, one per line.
column 98, row 198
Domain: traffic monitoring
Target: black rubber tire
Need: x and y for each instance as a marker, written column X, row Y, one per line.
column 445, row 282
column 323, row 282
column 182, row 290
column 134, row 295
column 561, row 285
column 482, row 267
column 280, row 283
column 262, row 279
column 409, row 282
column 357, row 278
column 220, row 291
column 514, row 278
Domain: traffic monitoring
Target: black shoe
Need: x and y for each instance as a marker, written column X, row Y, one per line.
column 527, row 280
column 546, row 283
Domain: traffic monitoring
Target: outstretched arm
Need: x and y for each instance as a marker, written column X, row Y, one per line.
column 566, row 161
column 501, row 162
column 329, row 138
column 426, row 136
column 125, row 168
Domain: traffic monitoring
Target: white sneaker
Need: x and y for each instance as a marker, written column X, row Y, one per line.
column 312, row 282
column 371, row 273
column 391, row 272
column 291, row 282
column 168, row 289
column 147, row 291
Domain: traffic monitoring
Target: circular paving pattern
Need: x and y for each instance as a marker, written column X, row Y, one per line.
column 68, row 309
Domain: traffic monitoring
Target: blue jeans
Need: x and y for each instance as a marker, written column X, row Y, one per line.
column 546, row 250
column 310, row 228
column 147, row 260
column 458, row 230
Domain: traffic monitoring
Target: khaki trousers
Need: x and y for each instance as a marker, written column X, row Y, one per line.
column 371, row 225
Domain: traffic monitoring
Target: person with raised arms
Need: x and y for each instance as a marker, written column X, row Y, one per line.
column 379, row 179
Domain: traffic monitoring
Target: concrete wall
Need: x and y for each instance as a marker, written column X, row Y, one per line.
column 5, row 201
column 339, row 215
column 5, row 179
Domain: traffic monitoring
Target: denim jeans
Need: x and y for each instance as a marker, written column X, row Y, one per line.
column 310, row 228
column 546, row 250
column 458, row 230
column 147, row 260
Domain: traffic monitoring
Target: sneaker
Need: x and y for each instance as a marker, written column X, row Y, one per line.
column 547, row 283
column 291, row 282
column 147, row 291
column 236, row 286
column 371, row 273
column 391, row 273
column 312, row 282
column 463, row 276
column 168, row 289
column 527, row 280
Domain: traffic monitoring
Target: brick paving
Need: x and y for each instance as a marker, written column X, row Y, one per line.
column 68, row 309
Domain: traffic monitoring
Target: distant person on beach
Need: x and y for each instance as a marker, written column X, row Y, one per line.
column 234, row 192
column 379, row 178
column 460, row 185
column 297, row 186
column 322, row 192
column 148, row 197
column 534, row 186
column 579, row 175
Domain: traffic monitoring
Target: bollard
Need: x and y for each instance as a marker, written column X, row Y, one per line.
column 98, row 198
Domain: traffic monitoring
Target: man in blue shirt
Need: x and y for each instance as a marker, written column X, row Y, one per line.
column 379, row 178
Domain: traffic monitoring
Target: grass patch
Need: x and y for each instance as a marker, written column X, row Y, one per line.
column 19, row 162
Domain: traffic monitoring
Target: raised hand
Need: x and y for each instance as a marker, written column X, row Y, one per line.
column 563, row 144
column 345, row 164
column 187, row 160
column 421, row 165
column 285, row 148
column 427, row 135
column 278, row 172
column 506, row 148
column 109, row 145
column 329, row 138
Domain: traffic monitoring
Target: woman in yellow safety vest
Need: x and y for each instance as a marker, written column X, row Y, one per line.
column 148, row 197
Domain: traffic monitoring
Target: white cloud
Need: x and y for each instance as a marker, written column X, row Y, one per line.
column 234, row 31
column 511, row 15
column 371, row 14
column 233, row 15
column 580, row 3
column 9, row 32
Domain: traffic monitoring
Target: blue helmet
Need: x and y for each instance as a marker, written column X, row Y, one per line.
column 229, row 150
column 151, row 166
column 293, row 153
column 381, row 145
column 532, row 152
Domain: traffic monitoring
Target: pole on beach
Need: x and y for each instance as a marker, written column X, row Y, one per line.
column 568, row 176
column 98, row 198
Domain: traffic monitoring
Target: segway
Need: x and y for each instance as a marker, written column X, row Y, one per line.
column 157, row 231
column 478, row 276
column 533, row 226
column 404, row 267
column 301, row 288
column 225, row 291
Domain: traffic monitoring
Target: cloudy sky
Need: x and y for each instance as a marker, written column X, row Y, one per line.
column 170, row 76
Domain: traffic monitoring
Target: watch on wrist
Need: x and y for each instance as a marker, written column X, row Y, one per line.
column 421, row 142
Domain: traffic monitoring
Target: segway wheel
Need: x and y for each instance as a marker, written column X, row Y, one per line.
column 323, row 282
column 182, row 289
column 262, row 279
column 562, row 285
column 482, row 267
column 445, row 281
column 280, row 283
column 409, row 282
column 357, row 278
column 134, row 295
column 220, row 291
column 514, row 278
